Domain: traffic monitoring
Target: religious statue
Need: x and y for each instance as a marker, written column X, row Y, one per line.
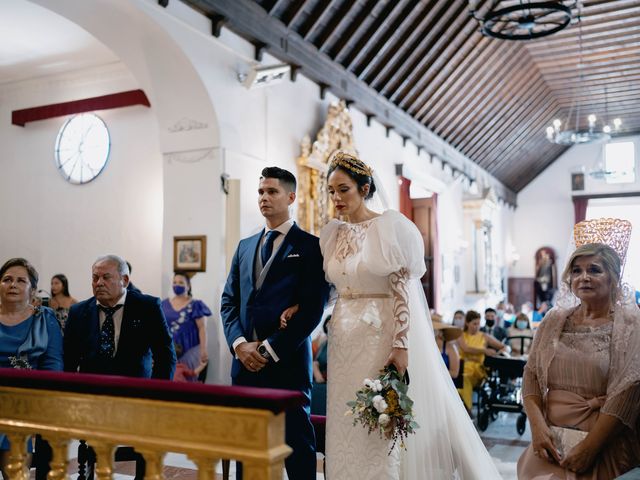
column 546, row 282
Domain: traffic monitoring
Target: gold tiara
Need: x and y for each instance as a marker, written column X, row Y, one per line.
column 613, row 232
column 351, row 163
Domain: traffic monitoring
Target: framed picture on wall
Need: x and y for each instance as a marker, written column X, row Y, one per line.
column 577, row 181
column 190, row 253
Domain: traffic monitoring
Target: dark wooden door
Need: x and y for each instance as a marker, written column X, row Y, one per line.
column 521, row 290
column 424, row 216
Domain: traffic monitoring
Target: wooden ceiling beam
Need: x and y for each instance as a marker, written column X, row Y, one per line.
column 605, row 49
column 290, row 15
column 505, row 133
column 393, row 86
column 569, row 70
column 459, row 79
column 450, row 57
column 452, row 25
column 496, row 107
column 497, row 127
column 480, row 89
column 334, row 21
column 248, row 19
column 473, row 45
column 629, row 53
column 314, row 17
column 380, row 21
column 384, row 41
column 407, row 42
column 532, row 127
column 356, row 24
column 381, row 81
column 602, row 73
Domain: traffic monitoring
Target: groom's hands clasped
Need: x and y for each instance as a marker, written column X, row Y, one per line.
column 247, row 353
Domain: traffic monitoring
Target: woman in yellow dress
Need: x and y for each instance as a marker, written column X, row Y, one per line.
column 474, row 345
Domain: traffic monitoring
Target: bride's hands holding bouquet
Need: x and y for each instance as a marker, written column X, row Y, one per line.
column 399, row 358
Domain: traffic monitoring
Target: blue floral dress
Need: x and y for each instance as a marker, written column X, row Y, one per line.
column 184, row 330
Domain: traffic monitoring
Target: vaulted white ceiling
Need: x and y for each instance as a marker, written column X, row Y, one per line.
column 36, row 42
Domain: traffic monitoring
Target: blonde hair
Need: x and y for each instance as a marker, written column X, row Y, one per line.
column 610, row 261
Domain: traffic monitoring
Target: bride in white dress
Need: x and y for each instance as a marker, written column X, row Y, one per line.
column 381, row 317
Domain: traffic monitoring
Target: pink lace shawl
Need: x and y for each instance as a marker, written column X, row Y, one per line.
column 623, row 385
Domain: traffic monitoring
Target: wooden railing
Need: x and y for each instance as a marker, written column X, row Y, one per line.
column 205, row 422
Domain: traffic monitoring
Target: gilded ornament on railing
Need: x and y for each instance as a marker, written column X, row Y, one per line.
column 314, row 207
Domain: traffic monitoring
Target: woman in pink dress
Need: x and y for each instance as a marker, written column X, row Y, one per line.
column 582, row 380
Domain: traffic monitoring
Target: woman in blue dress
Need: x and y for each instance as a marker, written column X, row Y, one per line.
column 187, row 321
column 30, row 337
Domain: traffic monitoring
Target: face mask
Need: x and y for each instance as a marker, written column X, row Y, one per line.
column 179, row 289
column 458, row 322
column 521, row 324
column 500, row 313
column 490, row 323
column 508, row 317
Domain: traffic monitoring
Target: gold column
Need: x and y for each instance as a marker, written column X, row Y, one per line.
column 104, row 459
column 59, row 462
column 17, row 467
column 154, row 463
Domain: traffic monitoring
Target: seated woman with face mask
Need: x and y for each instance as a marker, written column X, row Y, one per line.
column 520, row 328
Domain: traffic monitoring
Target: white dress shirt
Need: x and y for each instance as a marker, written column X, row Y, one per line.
column 117, row 318
column 283, row 228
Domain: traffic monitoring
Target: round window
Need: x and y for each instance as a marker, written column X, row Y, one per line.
column 82, row 148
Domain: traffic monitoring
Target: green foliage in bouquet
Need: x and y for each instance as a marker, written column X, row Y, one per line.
column 382, row 405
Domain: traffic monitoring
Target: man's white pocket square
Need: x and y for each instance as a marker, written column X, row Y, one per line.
column 293, row 255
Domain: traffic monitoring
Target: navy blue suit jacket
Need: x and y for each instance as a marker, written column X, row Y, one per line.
column 144, row 335
column 295, row 277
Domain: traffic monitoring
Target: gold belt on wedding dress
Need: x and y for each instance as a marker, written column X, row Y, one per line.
column 353, row 296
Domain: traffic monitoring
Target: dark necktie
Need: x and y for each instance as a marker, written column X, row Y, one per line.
column 267, row 247
column 107, row 344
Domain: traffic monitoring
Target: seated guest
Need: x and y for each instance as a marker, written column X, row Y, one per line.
column 520, row 328
column 61, row 300
column 534, row 317
column 445, row 338
column 474, row 345
column 187, row 322
column 29, row 336
column 491, row 326
column 581, row 384
column 116, row 332
column 458, row 319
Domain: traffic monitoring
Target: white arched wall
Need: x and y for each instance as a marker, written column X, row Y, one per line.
column 188, row 137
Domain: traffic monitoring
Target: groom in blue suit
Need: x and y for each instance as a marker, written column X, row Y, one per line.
column 278, row 268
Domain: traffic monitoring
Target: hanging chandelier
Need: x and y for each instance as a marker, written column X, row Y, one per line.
column 596, row 130
column 521, row 19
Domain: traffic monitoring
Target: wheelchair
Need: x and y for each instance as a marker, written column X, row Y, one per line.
column 502, row 390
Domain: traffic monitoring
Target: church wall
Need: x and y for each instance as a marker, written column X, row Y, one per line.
column 545, row 208
column 62, row 228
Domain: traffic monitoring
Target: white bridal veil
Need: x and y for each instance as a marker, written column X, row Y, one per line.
column 447, row 445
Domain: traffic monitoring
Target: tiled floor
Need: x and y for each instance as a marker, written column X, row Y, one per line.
column 504, row 443
column 500, row 438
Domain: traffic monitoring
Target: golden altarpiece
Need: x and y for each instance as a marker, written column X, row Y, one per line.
column 314, row 207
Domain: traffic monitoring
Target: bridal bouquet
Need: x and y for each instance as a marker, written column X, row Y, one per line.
column 382, row 405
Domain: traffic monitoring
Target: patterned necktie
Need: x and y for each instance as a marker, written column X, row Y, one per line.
column 107, row 344
column 267, row 247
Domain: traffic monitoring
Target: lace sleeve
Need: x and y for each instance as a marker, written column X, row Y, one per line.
column 400, row 291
